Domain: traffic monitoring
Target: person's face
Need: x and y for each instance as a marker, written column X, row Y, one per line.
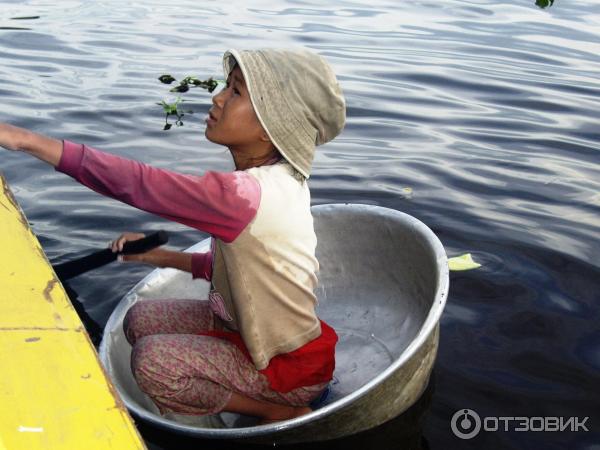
column 232, row 120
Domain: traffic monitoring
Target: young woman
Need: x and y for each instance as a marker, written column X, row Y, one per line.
column 256, row 346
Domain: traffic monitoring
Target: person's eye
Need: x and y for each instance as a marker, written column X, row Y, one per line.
column 236, row 91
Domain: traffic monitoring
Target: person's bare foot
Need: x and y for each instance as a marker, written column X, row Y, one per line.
column 294, row 412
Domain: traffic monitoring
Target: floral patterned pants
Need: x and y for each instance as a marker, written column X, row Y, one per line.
column 186, row 373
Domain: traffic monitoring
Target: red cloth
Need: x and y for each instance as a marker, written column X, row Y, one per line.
column 310, row 364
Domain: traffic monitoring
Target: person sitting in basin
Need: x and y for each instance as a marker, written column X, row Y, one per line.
column 256, row 346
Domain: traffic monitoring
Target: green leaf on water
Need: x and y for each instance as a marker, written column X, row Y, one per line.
column 180, row 88
column 184, row 86
column 167, row 79
column 171, row 108
column 463, row 262
column 544, row 3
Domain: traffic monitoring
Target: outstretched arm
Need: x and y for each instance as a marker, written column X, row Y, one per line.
column 42, row 147
column 221, row 204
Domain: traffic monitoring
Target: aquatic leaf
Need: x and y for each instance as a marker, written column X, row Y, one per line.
column 184, row 86
column 167, row 126
column 463, row 262
column 180, row 88
column 166, row 79
column 544, row 3
column 215, row 83
column 166, row 106
column 186, row 80
column 170, row 108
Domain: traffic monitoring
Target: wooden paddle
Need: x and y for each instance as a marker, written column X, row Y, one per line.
column 100, row 258
column 70, row 269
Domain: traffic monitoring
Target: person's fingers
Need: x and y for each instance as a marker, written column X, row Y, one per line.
column 117, row 244
column 113, row 246
column 120, row 243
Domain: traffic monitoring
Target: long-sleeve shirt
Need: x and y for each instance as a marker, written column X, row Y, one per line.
column 219, row 203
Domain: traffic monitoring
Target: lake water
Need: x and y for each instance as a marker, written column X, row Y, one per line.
column 479, row 117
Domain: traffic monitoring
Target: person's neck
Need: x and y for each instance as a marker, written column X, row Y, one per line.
column 256, row 157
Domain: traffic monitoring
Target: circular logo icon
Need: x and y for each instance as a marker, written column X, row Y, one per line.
column 465, row 424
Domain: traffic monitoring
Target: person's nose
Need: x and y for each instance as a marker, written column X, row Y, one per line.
column 219, row 99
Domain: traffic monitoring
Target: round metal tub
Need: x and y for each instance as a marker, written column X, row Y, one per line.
column 383, row 283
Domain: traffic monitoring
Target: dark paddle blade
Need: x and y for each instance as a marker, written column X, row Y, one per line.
column 92, row 327
column 100, row 258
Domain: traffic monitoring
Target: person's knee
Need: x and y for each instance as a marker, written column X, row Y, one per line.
column 145, row 358
column 169, row 384
column 132, row 322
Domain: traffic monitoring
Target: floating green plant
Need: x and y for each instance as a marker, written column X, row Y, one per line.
column 544, row 3
column 172, row 109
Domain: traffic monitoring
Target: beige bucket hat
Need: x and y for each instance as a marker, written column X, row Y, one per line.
column 296, row 97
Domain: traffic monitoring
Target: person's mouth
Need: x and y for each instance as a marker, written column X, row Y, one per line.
column 211, row 119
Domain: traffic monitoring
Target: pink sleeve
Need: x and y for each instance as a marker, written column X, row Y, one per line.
column 219, row 203
column 202, row 265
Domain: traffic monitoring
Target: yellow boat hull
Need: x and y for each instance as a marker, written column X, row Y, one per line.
column 54, row 393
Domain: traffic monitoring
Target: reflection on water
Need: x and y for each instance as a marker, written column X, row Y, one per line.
column 478, row 117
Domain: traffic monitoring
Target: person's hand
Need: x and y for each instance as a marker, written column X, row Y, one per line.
column 10, row 136
column 157, row 257
column 117, row 246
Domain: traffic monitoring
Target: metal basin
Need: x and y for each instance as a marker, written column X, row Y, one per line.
column 383, row 283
